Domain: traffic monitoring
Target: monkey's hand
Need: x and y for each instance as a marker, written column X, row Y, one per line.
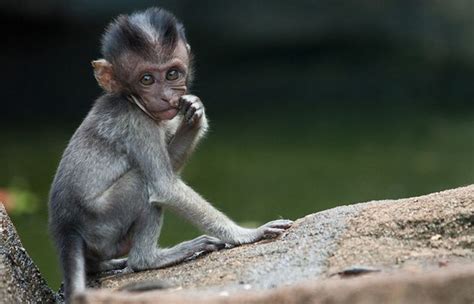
column 267, row 231
column 274, row 228
column 192, row 109
column 192, row 128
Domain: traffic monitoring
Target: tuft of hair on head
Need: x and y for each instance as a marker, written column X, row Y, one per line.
column 145, row 33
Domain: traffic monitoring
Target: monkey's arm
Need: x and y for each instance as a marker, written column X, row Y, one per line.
column 184, row 142
column 189, row 204
column 192, row 128
column 148, row 151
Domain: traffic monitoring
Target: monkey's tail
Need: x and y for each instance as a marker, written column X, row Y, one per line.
column 73, row 264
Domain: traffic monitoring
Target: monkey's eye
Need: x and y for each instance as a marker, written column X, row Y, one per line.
column 172, row 74
column 147, row 79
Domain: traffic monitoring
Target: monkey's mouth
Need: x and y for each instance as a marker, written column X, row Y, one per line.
column 162, row 114
column 158, row 106
column 165, row 110
column 167, row 114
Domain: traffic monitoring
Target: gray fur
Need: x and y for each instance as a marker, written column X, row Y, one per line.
column 115, row 177
column 118, row 172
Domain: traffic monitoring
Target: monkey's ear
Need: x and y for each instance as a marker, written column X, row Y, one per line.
column 104, row 75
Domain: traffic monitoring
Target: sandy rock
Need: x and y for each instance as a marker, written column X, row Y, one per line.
column 450, row 285
column 415, row 232
column 20, row 279
column 416, row 250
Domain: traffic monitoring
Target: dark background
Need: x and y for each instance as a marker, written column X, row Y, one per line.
column 312, row 103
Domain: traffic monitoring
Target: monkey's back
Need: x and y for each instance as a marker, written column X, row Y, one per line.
column 93, row 160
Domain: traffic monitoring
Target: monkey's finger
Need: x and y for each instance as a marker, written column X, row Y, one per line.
column 184, row 105
column 272, row 232
column 185, row 101
column 208, row 243
column 285, row 224
column 192, row 98
column 189, row 114
column 199, row 113
column 188, row 99
column 215, row 246
column 196, row 117
column 221, row 245
column 198, row 105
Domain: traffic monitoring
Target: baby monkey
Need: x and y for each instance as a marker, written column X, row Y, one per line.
column 121, row 167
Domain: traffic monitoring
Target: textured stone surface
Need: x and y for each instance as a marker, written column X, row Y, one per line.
column 416, row 232
column 415, row 250
column 422, row 249
column 305, row 247
column 448, row 285
column 20, row 279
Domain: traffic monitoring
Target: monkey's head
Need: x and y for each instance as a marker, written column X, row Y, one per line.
column 146, row 57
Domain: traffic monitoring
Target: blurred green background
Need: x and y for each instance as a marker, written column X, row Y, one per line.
column 313, row 104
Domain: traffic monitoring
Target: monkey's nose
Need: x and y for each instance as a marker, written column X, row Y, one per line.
column 166, row 100
column 174, row 102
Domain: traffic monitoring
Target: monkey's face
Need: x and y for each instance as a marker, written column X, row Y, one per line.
column 160, row 85
column 157, row 84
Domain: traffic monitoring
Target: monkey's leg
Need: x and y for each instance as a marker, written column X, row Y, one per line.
column 145, row 254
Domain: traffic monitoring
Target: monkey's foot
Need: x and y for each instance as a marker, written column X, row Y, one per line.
column 203, row 244
column 208, row 244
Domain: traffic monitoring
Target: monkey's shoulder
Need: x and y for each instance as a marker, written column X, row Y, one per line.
column 102, row 132
column 107, row 120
